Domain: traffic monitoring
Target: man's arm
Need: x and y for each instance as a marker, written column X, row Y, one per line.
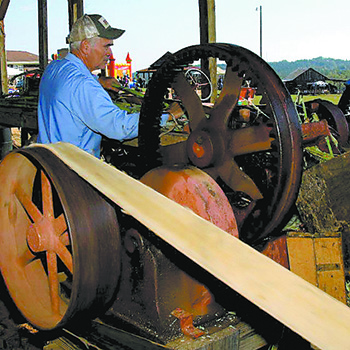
column 109, row 83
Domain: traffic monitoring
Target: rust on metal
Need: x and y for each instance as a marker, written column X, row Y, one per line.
column 44, row 247
column 254, row 152
column 196, row 190
column 186, row 323
column 312, row 132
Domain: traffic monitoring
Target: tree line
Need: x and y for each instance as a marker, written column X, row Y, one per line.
column 330, row 67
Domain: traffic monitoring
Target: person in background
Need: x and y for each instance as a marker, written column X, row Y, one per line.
column 73, row 104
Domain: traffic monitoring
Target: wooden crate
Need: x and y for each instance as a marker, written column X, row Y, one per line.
column 318, row 260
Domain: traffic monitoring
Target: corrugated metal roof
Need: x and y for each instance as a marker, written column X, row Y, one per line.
column 294, row 74
column 300, row 71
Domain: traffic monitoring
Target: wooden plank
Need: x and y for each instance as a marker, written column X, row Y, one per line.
column 15, row 117
column 328, row 251
column 237, row 336
column 228, row 338
column 302, row 259
column 248, row 338
column 302, row 307
column 320, row 262
column 330, row 266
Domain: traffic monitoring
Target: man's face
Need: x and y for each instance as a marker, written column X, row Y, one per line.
column 99, row 53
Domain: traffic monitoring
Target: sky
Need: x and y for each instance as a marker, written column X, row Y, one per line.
column 291, row 30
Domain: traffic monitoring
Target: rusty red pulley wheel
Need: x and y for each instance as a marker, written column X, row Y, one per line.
column 59, row 250
column 334, row 116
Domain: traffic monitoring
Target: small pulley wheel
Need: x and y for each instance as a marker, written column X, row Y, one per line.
column 326, row 110
column 59, row 251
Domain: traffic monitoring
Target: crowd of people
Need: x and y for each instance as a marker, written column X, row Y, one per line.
column 137, row 83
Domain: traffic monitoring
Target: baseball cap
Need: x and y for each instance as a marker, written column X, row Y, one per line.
column 89, row 26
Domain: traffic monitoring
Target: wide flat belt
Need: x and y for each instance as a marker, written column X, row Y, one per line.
column 310, row 312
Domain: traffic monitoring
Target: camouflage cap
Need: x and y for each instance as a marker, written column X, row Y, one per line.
column 89, row 26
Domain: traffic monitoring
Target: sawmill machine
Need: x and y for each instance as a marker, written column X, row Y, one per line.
column 80, row 238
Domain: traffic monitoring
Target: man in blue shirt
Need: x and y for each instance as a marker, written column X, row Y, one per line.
column 73, row 105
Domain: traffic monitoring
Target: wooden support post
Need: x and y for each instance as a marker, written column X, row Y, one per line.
column 75, row 11
column 5, row 133
column 3, row 60
column 43, row 41
column 208, row 35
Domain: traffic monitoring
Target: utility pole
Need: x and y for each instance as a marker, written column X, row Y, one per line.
column 208, row 35
column 260, row 31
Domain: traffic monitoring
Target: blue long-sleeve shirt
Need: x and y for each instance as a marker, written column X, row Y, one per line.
column 75, row 108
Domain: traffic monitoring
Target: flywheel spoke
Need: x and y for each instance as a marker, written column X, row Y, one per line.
column 26, row 258
column 46, row 195
column 175, row 153
column 64, row 255
column 235, row 178
column 228, row 98
column 60, row 226
column 250, row 139
column 32, row 211
column 53, row 280
column 190, row 100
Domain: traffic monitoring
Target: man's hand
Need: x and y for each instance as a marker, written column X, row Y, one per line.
column 109, row 83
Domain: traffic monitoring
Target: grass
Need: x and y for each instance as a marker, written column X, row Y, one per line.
column 329, row 97
column 334, row 98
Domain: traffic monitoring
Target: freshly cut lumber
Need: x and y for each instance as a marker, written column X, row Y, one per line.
column 316, row 316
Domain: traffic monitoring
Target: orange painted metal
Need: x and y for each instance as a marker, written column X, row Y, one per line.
column 52, row 271
column 197, row 191
column 312, row 132
column 186, row 323
column 276, row 249
column 315, row 134
column 155, row 280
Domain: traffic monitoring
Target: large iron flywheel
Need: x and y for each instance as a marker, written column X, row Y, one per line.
column 251, row 148
column 59, row 240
